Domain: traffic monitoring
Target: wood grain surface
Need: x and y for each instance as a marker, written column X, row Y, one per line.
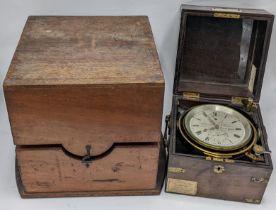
column 50, row 170
column 86, row 81
column 234, row 183
column 211, row 57
column 79, row 116
column 211, row 60
column 85, row 50
column 80, row 81
column 238, row 181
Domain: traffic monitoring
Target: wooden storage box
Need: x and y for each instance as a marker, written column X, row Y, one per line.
column 85, row 99
column 221, row 59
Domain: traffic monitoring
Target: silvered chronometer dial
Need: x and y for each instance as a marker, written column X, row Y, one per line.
column 217, row 127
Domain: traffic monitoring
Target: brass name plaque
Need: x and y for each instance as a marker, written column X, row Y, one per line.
column 226, row 15
column 226, row 10
column 182, row 186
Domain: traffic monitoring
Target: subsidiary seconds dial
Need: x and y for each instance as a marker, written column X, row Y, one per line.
column 217, row 127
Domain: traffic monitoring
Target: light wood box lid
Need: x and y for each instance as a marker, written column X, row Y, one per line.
column 85, row 50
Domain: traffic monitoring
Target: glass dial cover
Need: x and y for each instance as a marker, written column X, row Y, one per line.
column 217, row 127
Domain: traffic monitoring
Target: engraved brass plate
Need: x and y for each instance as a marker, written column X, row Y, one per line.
column 220, row 159
column 226, row 10
column 226, row 15
column 182, row 186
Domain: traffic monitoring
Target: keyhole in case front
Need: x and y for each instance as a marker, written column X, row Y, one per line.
column 87, row 158
column 218, row 169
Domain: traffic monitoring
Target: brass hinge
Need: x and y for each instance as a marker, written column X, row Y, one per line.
column 176, row 170
column 191, row 96
column 248, row 102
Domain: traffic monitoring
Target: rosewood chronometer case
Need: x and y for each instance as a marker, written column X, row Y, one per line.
column 85, row 98
column 221, row 59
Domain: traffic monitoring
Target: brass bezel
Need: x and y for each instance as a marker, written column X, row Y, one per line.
column 219, row 154
column 217, row 107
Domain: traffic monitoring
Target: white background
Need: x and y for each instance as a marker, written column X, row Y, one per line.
column 164, row 18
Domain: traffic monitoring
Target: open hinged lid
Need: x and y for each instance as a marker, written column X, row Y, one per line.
column 222, row 52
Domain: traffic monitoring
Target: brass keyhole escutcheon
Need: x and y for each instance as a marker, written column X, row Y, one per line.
column 218, row 169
